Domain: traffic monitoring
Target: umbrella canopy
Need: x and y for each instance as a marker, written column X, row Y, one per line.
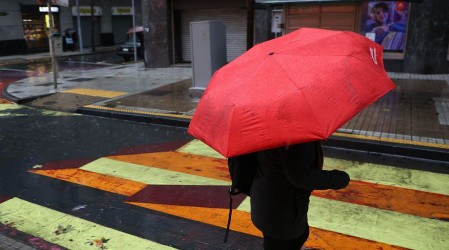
column 135, row 29
column 296, row 88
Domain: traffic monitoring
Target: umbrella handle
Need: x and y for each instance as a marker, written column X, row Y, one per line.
column 230, row 215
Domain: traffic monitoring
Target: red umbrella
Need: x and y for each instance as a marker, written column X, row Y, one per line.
column 296, row 88
column 135, row 29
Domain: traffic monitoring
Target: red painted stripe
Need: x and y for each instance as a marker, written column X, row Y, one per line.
column 28, row 239
column 187, row 195
column 65, row 164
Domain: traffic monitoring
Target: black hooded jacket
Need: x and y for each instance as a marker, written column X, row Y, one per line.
column 282, row 186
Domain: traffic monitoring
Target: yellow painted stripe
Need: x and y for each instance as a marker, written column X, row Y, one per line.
column 134, row 111
column 392, row 140
column 198, row 147
column 378, row 225
column 148, row 175
column 180, row 162
column 368, row 172
column 375, row 224
column 95, row 92
column 392, row 176
column 5, row 108
column 44, row 222
column 241, row 222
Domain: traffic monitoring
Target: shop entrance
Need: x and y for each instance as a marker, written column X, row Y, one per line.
column 35, row 21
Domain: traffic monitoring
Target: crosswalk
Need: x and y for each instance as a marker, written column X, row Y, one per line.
column 384, row 207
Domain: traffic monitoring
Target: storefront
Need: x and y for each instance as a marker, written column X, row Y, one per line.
column 90, row 23
column 36, row 23
column 382, row 21
column 122, row 21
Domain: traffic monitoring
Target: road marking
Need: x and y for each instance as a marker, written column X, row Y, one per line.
column 136, row 111
column 66, row 230
column 241, row 222
column 407, row 201
column 95, row 92
column 333, row 217
column 390, row 140
column 198, row 147
column 392, row 176
column 11, row 110
column 378, row 225
column 95, row 180
column 180, row 162
column 148, row 175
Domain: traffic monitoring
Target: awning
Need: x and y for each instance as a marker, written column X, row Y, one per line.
column 300, row 1
column 311, row 1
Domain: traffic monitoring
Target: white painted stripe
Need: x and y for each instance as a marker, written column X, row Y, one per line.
column 378, row 225
column 43, row 222
column 374, row 173
column 148, row 175
column 197, row 147
column 392, row 176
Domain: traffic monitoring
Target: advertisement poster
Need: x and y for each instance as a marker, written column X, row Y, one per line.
column 386, row 24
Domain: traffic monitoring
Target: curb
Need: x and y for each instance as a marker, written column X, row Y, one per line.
column 340, row 142
column 161, row 119
column 390, row 148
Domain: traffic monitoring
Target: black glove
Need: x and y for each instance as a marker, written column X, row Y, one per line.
column 340, row 179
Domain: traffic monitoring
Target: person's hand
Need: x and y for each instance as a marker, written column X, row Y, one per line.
column 380, row 30
column 340, row 179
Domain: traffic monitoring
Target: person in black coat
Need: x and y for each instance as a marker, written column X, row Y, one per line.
column 285, row 179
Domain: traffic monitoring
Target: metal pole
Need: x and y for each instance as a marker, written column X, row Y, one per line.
column 52, row 47
column 250, row 24
column 134, row 33
column 93, row 24
column 80, row 35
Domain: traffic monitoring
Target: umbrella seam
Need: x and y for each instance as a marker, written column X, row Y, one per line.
column 307, row 100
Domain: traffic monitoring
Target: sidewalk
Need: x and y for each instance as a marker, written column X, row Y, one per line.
column 412, row 120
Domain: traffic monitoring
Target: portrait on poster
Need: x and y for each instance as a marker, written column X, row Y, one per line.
column 386, row 23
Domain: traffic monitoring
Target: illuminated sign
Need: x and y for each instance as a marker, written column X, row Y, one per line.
column 87, row 11
column 45, row 9
column 121, row 10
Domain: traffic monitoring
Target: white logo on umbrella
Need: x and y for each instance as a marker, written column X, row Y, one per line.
column 373, row 54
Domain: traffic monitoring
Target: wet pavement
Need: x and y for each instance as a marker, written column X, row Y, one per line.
column 415, row 114
column 80, row 182
column 87, row 182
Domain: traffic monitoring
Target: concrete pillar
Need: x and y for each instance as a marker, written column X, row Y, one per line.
column 157, row 33
column 106, row 36
column 428, row 38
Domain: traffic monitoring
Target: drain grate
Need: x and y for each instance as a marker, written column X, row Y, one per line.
column 82, row 79
column 47, row 84
column 158, row 92
column 442, row 107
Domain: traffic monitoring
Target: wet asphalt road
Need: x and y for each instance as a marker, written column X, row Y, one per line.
column 31, row 137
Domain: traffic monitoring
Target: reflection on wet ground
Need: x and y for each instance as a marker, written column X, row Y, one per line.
column 173, row 99
column 416, row 110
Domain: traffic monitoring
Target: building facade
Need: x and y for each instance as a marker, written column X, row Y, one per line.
column 417, row 39
column 415, row 34
column 24, row 24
